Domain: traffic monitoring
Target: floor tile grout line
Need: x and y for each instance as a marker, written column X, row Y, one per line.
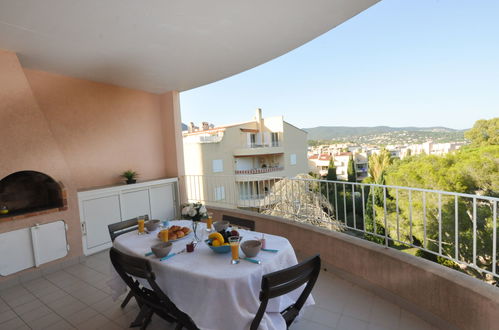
column 89, row 283
column 18, row 316
column 84, row 303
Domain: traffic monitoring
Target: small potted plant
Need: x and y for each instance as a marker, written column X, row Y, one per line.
column 130, row 176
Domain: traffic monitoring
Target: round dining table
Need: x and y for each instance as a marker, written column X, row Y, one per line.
column 216, row 294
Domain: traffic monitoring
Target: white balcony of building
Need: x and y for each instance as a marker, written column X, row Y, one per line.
column 260, row 170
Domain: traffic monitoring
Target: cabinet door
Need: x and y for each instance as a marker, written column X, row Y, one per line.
column 98, row 213
column 135, row 203
column 49, row 241
column 17, row 251
column 163, row 206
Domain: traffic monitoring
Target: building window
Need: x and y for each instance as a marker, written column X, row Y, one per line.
column 218, row 165
column 252, row 139
column 292, row 159
column 219, row 193
column 275, row 139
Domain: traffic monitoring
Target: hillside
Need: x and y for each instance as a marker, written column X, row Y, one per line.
column 384, row 134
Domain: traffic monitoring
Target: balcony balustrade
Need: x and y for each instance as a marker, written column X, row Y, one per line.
column 260, row 170
column 461, row 228
column 273, row 144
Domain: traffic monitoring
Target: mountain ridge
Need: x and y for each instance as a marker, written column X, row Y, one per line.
column 334, row 132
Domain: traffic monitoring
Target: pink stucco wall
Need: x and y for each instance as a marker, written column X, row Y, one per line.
column 103, row 130
column 83, row 134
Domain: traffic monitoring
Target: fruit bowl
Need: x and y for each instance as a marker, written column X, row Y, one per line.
column 218, row 249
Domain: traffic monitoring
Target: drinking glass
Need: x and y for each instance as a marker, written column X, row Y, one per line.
column 165, row 224
column 209, row 223
column 163, row 235
column 234, row 248
column 140, row 223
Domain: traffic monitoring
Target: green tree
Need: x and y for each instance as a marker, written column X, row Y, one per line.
column 378, row 164
column 470, row 170
column 484, row 132
column 374, row 223
column 331, row 171
column 352, row 176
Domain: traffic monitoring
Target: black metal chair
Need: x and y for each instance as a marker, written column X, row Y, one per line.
column 119, row 228
column 243, row 223
column 284, row 281
column 153, row 301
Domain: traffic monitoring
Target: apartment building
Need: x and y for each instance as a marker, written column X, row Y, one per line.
column 430, row 148
column 319, row 164
column 250, row 156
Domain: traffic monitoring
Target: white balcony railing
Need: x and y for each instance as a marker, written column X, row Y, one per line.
column 458, row 227
column 260, row 170
column 265, row 145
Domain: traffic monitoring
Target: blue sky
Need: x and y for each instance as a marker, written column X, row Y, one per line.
column 399, row 63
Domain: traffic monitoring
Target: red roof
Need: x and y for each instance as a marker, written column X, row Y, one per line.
column 321, row 157
column 325, row 157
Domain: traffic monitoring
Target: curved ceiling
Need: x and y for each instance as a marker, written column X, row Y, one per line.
column 162, row 45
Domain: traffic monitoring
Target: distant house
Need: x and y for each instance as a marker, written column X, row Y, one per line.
column 319, row 163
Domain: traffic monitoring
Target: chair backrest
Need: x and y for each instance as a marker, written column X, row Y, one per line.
column 284, row 281
column 130, row 268
column 118, row 228
column 243, row 223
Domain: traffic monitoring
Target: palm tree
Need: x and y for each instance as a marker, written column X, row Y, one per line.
column 378, row 164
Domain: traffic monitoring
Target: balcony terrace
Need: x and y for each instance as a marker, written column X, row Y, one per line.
column 76, row 296
column 260, row 170
column 84, row 104
column 259, row 150
column 425, row 288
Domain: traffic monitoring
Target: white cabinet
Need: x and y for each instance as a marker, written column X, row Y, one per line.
column 20, row 256
column 49, row 242
column 135, row 203
column 159, row 197
column 34, row 246
column 98, row 213
column 101, row 207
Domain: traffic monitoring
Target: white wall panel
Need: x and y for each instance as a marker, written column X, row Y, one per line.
column 16, row 251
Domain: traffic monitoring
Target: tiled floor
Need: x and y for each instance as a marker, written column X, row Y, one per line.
column 78, row 297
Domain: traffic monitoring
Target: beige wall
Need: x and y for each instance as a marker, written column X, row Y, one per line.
column 295, row 142
column 83, row 134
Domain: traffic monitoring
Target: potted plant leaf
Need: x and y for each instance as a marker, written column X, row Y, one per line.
column 130, row 176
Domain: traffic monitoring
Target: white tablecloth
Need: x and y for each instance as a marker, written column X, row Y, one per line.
column 214, row 293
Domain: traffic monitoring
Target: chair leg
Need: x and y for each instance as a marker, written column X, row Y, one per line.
column 139, row 320
column 127, row 299
column 147, row 320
